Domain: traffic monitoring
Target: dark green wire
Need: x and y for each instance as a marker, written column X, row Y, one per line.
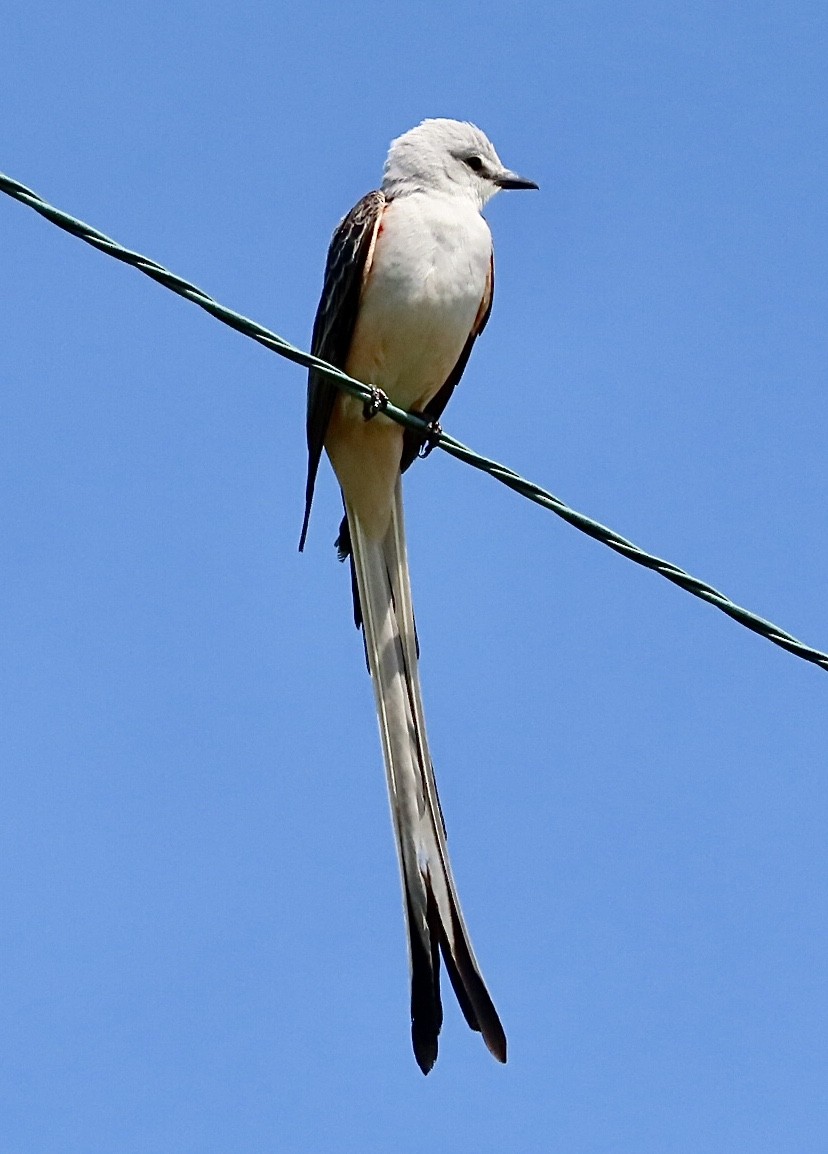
column 436, row 437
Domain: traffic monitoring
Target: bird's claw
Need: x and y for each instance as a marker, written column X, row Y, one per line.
column 374, row 404
column 431, row 439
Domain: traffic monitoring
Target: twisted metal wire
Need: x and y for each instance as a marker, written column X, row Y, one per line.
column 435, row 437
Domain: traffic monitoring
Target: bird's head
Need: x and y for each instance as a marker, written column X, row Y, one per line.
column 448, row 156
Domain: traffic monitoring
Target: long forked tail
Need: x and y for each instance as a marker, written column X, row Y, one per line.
column 432, row 909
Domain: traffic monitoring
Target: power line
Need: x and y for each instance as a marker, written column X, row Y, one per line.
column 435, row 437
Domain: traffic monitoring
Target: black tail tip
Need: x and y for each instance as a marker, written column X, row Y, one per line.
column 495, row 1038
column 425, row 1049
column 497, row 1048
column 425, row 1052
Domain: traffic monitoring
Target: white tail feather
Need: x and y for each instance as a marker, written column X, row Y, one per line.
column 434, row 919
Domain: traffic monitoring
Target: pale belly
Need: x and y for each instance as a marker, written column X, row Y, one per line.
column 428, row 278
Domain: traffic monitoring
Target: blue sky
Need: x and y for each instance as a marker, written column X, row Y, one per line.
column 202, row 940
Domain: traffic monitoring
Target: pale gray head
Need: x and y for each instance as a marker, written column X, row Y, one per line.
column 448, row 156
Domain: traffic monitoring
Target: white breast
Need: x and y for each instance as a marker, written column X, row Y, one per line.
column 429, row 274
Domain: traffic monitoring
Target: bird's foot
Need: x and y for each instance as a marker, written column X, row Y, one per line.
column 431, row 438
column 374, row 404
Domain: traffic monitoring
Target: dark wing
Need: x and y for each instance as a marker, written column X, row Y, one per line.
column 349, row 258
column 412, row 441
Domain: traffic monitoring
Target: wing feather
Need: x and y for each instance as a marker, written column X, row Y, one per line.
column 349, row 261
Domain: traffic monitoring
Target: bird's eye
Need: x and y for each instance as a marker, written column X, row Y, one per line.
column 474, row 163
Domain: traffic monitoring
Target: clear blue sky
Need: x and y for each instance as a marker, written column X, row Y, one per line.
column 201, row 941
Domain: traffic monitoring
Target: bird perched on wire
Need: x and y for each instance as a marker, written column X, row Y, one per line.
column 408, row 289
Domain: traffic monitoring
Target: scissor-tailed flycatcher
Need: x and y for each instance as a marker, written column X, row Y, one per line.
column 408, row 288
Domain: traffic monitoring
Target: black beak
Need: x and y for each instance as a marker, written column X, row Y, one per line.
column 507, row 179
